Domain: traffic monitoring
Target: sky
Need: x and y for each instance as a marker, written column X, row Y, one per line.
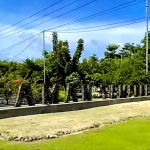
column 13, row 11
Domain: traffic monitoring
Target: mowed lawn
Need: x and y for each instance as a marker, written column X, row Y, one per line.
column 131, row 135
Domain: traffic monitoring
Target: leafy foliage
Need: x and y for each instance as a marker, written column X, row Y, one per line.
column 126, row 66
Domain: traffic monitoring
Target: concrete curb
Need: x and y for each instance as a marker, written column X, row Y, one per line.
column 33, row 110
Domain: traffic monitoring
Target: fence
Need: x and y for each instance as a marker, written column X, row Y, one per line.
column 105, row 91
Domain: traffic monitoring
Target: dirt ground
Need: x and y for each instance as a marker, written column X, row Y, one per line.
column 37, row 125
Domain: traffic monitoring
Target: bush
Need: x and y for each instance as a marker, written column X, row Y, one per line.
column 1, row 90
column 62, row 96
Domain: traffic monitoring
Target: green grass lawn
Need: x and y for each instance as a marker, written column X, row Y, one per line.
column 132, row 135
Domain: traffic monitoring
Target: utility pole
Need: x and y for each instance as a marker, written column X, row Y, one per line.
column 44, row 55
column 147, row 36
column 44, row 83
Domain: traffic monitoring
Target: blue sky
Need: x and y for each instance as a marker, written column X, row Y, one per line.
column 12, row 11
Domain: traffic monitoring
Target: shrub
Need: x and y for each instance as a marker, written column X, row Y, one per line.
column 62, row 96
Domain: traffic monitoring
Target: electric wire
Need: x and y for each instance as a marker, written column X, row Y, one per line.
column 32, row 15
column 28, row 45
column 40, row 17
column 103, row 28
column 76, row 29
column 92, row 16
column 10, row 47
column 77, row 32
column 79, row 20
column 51, row 19
column 49, row 30
column 61, row 31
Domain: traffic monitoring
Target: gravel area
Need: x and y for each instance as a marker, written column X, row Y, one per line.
column 38, row 125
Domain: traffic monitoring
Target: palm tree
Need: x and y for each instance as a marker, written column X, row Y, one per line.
column 28, row 67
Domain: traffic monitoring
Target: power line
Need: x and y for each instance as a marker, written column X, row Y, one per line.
column 32, row 15
column 28, row 45
column 79, row 20
column 100, row 25
column 61, row 31
column 77, row 32
column 104, row 28
column 73, row 22
column 41, row 17
column 10, row 47
column 52, row 18
column 95, row 15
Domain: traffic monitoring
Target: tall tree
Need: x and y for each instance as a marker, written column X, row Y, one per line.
column 55, row 41
column 130, row 49
column 111, row 51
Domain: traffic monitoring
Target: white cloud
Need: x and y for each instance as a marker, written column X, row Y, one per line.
column 95, row 42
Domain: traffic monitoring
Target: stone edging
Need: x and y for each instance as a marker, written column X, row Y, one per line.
column 8, row 137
